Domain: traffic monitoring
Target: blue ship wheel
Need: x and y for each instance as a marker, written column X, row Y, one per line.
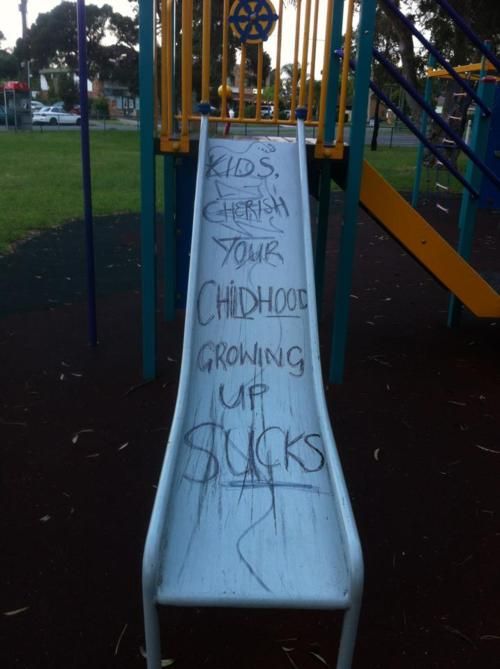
column 252, row 21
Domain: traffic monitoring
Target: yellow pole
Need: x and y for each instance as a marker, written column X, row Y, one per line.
column 277, row 72
column 326, row 73
column 345, row 73
column 205, row 62
column 165, row 70
column 225, row 49
column 170, row 67
column 260, row 57
column 187, row 59
column 295, row 61
column 313, row 62
column 241, row 110
column 305, row 50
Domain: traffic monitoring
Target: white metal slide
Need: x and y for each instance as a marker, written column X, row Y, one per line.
column 251, row 509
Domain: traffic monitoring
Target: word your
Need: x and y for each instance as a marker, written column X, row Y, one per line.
column 222, row 356
column 218, row 301
column 243, row 250
column 250, row 453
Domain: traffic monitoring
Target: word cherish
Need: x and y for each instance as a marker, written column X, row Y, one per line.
column 218, row 301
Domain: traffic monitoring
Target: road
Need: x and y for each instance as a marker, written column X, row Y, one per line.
column 387, row 136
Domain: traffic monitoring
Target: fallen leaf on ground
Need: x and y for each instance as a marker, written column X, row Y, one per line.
column 168, row 662
column 44, row 519
column 117, row 647
column 488, row 450
column 16, row 611
column 376, row 454
column 318, row 657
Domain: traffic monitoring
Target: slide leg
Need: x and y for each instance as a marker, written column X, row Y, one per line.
column 348, row 635
column 152, row 632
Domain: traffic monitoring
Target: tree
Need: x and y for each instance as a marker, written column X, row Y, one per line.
column 9, row 66
column 52, row 41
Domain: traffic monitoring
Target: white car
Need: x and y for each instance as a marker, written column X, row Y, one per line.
column 55, row 116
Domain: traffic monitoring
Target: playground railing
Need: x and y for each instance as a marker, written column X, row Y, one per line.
column 227, row 44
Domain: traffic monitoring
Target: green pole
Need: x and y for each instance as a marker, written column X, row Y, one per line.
column 334, row 72
column 169, row 204
column 325, row 181
column 147, row 164
column 423, row 129
column 469, row 206
column 322, row 233
column 170, row 236
column 354, row 170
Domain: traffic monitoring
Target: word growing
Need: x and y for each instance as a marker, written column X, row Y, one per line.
column 256, row 455
column 223, row 356
column 219, row 301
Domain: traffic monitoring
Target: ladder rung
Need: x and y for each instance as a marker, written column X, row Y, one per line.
column 455, row 118
column 440, row 206
column 448, row 141
column 459, row 95
column 442, row 186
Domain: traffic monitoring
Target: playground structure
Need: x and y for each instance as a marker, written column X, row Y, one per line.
column 178, row 119
column 227, row 527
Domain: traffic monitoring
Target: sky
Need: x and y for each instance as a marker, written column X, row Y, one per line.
column 10, row 25
column 10, row 16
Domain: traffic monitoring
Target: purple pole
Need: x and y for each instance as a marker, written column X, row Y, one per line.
column 437, row 55
column 436, row 118
column 470, row 33
column 411, row 126
column 87, row 190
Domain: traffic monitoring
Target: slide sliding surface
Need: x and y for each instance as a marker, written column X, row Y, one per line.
column 252, row 509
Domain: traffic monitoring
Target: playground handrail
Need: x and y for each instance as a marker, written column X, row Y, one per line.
column 436, row 118
column 421, row 137
column 437, row 55
column 478, row 43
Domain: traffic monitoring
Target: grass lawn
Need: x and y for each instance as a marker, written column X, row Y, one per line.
column 398, row 166
column 41, row 179
column 41, row 183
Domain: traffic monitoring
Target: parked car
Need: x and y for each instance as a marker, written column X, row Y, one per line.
column 267, row 111
column 55, row 115
column 36, row 106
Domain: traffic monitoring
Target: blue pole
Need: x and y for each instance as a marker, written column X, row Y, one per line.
column 469, row 206
column 86, row 172
column 436, row 117
column 356, row 148
column 148, row 192
column 436, row 53
column 483, row 48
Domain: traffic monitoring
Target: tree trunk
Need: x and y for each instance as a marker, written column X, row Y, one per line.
column 376, row 125
column 409, row 65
